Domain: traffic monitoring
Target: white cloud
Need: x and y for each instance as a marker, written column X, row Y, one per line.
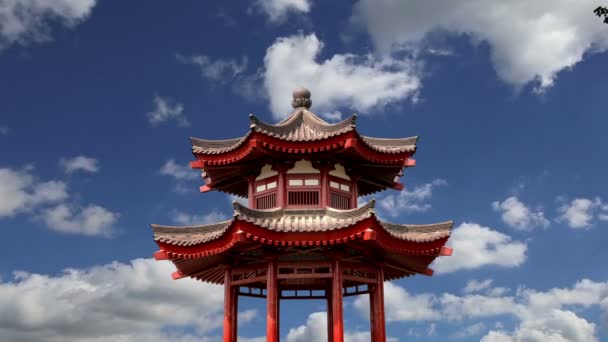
column 79, row 163
column 315, row 329
column 186, row 219
column 518, row 216
column 402, row 305
column 471, row 330
column 113, row 302
column 277, row 10
column 90, row 220
column 554, row 326
column 477, row 246
column 410, row 200
column 476, row 285
column 358, row 82
column 165, row 111
column 24, row 21
column 216, row 70
column 178, row 171
column 528, row 40
column 20, row 191
column 580, row 212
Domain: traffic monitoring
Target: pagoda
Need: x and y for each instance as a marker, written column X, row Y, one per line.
column 303, row 234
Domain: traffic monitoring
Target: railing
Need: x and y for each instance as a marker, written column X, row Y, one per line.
column 339, row 201
column 266, row 201
column 303, row 198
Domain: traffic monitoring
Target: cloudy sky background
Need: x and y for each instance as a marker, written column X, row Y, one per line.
column 98, row 99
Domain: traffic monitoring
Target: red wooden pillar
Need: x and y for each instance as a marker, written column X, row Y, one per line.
column 235, row 312
column 330, row 321
column 251, row 191
column 272, row 301
column 337, row 308
column 378, row 306
column 372, row 311
column 324, row 170
column 281, row 184
column 354, row 191
column 228, row 307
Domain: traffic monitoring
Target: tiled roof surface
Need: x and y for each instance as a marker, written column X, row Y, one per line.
column 189, row 235
column 298, row 220
column 419, row 232
column 303, row 125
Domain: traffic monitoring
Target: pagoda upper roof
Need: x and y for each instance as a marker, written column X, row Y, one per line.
column 298, row 220
column 302, row 125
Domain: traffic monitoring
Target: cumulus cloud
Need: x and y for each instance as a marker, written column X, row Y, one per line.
column 410, row 200
column 581, row 212
column 90, row 220
column 20, row 191
column 166, row 111
column 186, row 219
column 402, row 305
column 529, row 41
column 25, row 21
column 518, row 216
column 277, row 10
column 79, row 163
column 475, row 285
column 358, row 82
column 215, row 70
column 113, row 302
column 315, row 329
column 178, row 171
column 478, row 246
column 557, row 325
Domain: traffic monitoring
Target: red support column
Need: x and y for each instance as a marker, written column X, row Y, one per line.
column 337, row 308
column 228, row 306
column 330, row 320
column 372, row 311
column 235, row 312
column 251, row 191
column 324, row 186
column 281, row 185
column 354, row 191
column 272, row 302
column 380, row 325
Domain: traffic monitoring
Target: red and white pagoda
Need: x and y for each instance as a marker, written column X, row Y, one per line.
column 303, row 234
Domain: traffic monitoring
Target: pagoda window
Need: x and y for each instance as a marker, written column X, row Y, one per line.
column 266, row 193
column 339, row 193
column 303, row 190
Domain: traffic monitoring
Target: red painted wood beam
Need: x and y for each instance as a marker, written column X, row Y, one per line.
column 228, row 306
column 249, row 280
column 337, row 305
column 177, row 275
column 380, row 329
column 197, row 164
column 358, row 279
column 330, row 319
column 398, row 186
column 372, row 312
column 428, row 272
column 272, row 302
column 207, row 187
column 161, row 255
column 409, row 162
column 235, row 312
column 445, row 251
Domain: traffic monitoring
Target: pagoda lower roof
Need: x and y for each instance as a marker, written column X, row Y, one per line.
column 303, row 126
column 298, row 221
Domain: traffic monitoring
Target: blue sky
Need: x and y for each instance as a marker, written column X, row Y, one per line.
column 98, row 100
